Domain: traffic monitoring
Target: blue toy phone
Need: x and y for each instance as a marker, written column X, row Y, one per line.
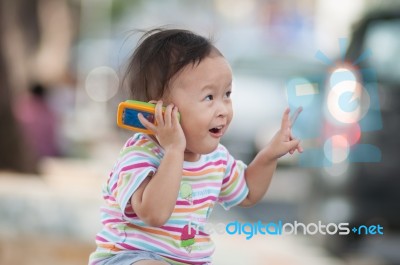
column 127, row 115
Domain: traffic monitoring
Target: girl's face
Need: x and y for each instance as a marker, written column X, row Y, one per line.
column 202, row 95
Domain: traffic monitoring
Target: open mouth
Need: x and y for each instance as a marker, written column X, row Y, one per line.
column 216, row 130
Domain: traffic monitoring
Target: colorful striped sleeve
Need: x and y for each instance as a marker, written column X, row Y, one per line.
column 135, row 164
column 234, row 189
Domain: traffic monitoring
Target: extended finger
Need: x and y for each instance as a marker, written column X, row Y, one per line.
column 285, row 119
column 159, row 115
column 167, row 114
column 296, row 113
column 148, row 125
column 288, row 134
column 175, row 114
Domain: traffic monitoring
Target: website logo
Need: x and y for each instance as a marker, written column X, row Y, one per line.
column 280, row 228
column 337, row 108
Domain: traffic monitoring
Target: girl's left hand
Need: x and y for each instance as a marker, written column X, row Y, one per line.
column 283, row 142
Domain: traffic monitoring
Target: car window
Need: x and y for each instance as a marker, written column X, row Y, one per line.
column 383, row 40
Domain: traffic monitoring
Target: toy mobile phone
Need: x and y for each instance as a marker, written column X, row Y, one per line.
column 127, row 115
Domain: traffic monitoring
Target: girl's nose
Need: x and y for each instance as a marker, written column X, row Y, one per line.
column 223, row 109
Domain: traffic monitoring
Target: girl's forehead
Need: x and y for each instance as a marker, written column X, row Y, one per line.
column 209, row 70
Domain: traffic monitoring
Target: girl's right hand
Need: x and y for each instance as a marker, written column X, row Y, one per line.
column 167, row 128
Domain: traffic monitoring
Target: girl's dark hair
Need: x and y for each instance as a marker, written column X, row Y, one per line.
column 160, row 54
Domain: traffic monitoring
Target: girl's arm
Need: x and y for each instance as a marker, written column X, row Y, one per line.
column 259, row 173
column 155, row 199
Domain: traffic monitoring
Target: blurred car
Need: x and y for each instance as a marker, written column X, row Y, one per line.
column 259, row 100
column 366, row 193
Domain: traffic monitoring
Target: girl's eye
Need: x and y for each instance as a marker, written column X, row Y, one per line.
column 228, row 94
column 209, row 98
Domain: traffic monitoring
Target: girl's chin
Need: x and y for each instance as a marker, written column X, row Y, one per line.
column 201, row 150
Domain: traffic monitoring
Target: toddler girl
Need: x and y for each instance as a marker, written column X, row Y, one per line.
column 165, row 185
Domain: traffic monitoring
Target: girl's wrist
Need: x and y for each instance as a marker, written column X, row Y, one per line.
column 175, row 152
column 268, row 155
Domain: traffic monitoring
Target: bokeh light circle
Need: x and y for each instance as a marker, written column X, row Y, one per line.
column 102, row 84
column 346, row 96
column 337, row 148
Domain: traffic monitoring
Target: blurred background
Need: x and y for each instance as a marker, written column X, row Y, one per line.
column 61, row 63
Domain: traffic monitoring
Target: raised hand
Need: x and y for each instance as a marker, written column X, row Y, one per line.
column 283, row 141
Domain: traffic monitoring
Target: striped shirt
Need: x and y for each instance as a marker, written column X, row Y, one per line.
column 215, row 177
